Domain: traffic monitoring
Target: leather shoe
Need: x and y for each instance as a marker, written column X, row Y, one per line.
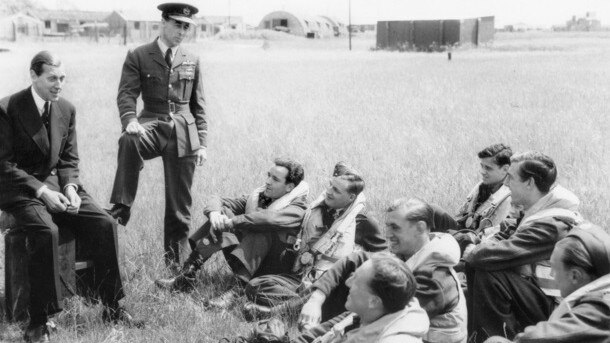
column 120, row 315
column 180, row 283
column 120, row 212
column 254, row 312
column 37, row 334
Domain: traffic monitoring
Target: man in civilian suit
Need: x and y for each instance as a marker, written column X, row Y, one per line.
column 171, row 125
column 40, row 188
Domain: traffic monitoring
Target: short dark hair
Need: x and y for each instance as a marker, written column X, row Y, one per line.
column 392, row 281
column 538, row 166
column 346, row 172
column 295, row 170
column 574, row 254
column 42, row 58
column 587, row 246
column 500, row 152
column 417, row 210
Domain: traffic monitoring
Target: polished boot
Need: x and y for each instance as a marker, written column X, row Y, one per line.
column 291, row 307
column 185, row 280
column 120, row 212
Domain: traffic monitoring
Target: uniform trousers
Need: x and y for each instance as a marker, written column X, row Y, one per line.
column 159, row 139
column 249, row 254
column 96, row 236
column 503, row 303
column 273, row 290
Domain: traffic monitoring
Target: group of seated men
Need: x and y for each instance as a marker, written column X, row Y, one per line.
column 326, row 260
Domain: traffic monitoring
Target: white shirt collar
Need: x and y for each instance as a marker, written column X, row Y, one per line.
column 38, row 100
column 164, row 48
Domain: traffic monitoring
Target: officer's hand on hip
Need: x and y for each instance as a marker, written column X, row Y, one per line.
column 202, row 156
column 134, row 128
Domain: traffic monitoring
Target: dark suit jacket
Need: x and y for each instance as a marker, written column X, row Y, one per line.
column 27, row 159
column 145, row 72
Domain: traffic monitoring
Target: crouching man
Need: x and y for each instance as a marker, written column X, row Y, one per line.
column 381, row 299
column 581, row 267
column 252, row 231
column 431, row 257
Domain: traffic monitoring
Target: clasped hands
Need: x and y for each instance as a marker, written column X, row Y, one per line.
column 57, row 202
column 219, row 223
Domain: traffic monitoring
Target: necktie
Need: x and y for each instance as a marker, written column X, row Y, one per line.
column 168, row 57
column 46, row 114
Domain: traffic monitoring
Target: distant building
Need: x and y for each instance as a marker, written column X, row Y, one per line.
column 300, row 25
column 432, row 34
column 205, row 28
column 518, row 27
column 363, row 27
column 588, row 23
column 137, row 26
column 141, row 26
column 222, row 23
column 16, row 27
column 65, row 23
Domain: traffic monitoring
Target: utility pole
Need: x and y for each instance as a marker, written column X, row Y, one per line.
column 349, row 25
column 229, row 14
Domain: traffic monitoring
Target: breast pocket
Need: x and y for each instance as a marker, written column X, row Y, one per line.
column 186, row 78
column 149, row 81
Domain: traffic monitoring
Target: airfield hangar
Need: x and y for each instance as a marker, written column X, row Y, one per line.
column 304, row 26
column 430, row 34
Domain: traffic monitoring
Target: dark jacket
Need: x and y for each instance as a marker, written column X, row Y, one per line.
column 163, row 89
column 583, row 316
column 27, row 159
column 288, row 218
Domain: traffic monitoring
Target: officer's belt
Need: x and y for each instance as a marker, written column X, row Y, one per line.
column 166, row 107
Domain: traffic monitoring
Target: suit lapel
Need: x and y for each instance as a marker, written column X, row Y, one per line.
column 155, row 52
column 31, row 121
column 57, row 126
column 179, row 58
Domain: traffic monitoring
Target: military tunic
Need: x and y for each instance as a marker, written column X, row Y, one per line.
column 174, row 119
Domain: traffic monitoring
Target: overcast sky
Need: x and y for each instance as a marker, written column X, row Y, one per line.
column 538, row 13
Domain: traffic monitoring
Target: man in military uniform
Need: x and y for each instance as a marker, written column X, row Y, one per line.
column 489, row 201
column 172, row 125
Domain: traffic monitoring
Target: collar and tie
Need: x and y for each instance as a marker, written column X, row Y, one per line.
column 46, row 115
column 168, row 57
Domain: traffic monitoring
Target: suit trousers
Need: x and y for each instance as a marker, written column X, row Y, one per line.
column 96, row 235
column 159, row 139
column 503, row 303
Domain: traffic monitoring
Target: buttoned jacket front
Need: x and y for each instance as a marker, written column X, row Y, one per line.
column 169, row 94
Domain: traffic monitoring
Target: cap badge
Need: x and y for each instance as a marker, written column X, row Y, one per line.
column 186, row 11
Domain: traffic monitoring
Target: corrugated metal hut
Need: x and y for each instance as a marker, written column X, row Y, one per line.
column 430, row 34
column 18, row 26
column 299, row 25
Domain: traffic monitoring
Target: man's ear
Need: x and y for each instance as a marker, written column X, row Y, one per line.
column 505, row 167
column 352, row 197
column 421, row 226
column 289, row 187
column 578, row 276
column 375, row 302
column 33, row 75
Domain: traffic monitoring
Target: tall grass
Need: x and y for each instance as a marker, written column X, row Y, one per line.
column 411, row 122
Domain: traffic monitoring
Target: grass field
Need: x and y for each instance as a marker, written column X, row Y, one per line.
column 411, row 122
